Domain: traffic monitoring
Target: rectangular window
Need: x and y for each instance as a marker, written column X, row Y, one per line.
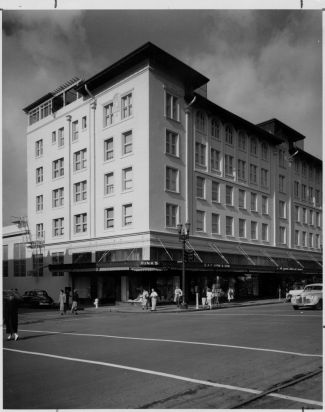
column 172, row 179
column 281, row 158
column 39, row 231
column 304, row 192
column 109, row 218
column 242, row 199
column 126, row 106
column 215, row 192
column 127, row 176
column 282, row 209
column 242, row 227
column 254, row 230
column 265, row 206
column 127, row 142
column 108, row 114
column 80, row 160
column 58, row 197
column 265, row 232
column 200, row 154
column 200, row 221
column 296, row 237
column 108, row 149
column 318, row 219
column 229, row 196
column 57, row 259
column 296, row 190
column 311, row 194
column 264, row 151
column 33, row 116
column 80, row 191
column 253, row 202
column 54, row 137
column 253, row 174
column 297, row 213
column 229, row 135
column 317, row 240
column 253, row 148
column 39, row 175
column 61, row 137
column 109, row 183
column 304, row 239
column 171, row 215
column 19, row 259
column 304, row 169
column 75, row 130
column 283, row 240
column 241, row 169
column 310, row 240
column 282, row 184
column 39, row 203
column 58, row 227
column 171, row 143
column 39, row 148
column 297, row 166
column 304, row 215
column 46, row 109
column 127, row 215
column 229, row 161
column 200, row 187
column 264, row 177
column 172, row 107
column 80, row 223
column 311, row 173
column 215, row 160
column 242, row 141
column 215, row 223
column 311, row 217
column 84, row 123
column 215, row 129
column 229, row 226
column 317, row 197
column 38, row 263
column 58, row 168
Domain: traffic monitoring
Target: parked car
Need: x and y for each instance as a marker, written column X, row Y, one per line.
column 37, row 298
column 296, row 290
column 311, row 296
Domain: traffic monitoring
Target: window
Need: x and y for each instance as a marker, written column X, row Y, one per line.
column 241, row 169
column 297, row 213
column 58, row 168
column 19, row 259
column 264, row 177
column 229, row 226
column 108, row 149
column 253, row 148
column 253, row 174
column 282, row 209
column 265, row 232
column 84, row 123
column 296, row 237
column 318, row 219
column 311, row 194
column 317, row 197
column 172, row 107
column 5, row 267
column 33, row 116
column 80, row 223
column 108, row 114
column 38, row 264
column 200, row 150
column 126, row 106
column 265, row 206
column 80, row 160
column 264, row 151
column 229, row 196
column 310, row 240
column 80, row 191
column 200, row 221
column 254, row 230
column 127, row 142
column 253, row 202
column 172, row 179
column 281, row 158
column 242, row 199
column 39, row 203
column 39, row 231
column 200, row 187
column 58, row 197
column 127, row 176
column 109, row 183
column 304, row 169
column 54, row 137
column 282, row 235
column 281, row 184
column 57, row 259
column 109, row 218
column 304, row 215
column 75, row 132
column 200, row 122
column 171, row 143
column 39, row 148
column 311, row 217
column 58, row 227
column 229, row 171
column 215, row 192
column 127, row 215
column 61, row 137
column 311, row 173
column 242, row 141
column 229, row 135
column 297, row 166
column 303, row 192
column 304, row 239
column 215, row 223
column 39, row 175
column 46, row 109
column 296, row 189
column 215, row 160
column 171, row 215
column 215, row 128
column 317, row 241
column 242, row 227
column 317, row 176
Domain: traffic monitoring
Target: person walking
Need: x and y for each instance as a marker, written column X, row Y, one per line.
column 144, row 299
column 75, row 300
column 153, row 296
column 204, row 297
column 209, row 298
column 62, row 302
column 178, row 294
column 11, row 317
column 230, row 294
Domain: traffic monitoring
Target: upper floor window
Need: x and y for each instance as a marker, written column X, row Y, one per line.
column 58, row 168
column 46, row 109
column 58, row 227
column 39, row 231
column 229, row 168
column 253, row 202
column 264, row 148
column 108, row 149
column 253, row 149
column 229, row 226
column 265, row 208
column 200, row 221
column 58, row 197
column 109, row 183
column 215, row 192
column 317, row 197
column 33, row 116
column 39, row 175
column 311, row 194
column 171, row 215
column 282, row 209
column 80, row 223
column 281, row 158
column 200, row 154
column 242, row 227
column 61, row 136
column 109, row 218
column 296, row 216
column 215, row 223
column 241, row 169
column 171, row 143
column 215, row 128
column 311, row 173
column 304, row 169
column 39, row 203
column 127, row 142
column 200, row 187
column 296, row 189
column 172, row 107
column 254, row 230
column 242, row 141
column 39, row 148
column 54, row 137
column 108, row 114
column 253, row 173
column 84, row 123
column 297, row 166
column 303, row 192
column 215, row 160
column 75, row 130
column 242, row 199
column 172, row 179
column 264, row 177
column 229, row 196
column 200, row 121
column 80, row 160
column 126, row 106
column 282, row 184
column 127, row 179
column 80, row 191
column 127, row 216
column 265, row 232
column 229, row 135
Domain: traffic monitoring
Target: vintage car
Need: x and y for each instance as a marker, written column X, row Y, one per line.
column 37, row 298
column 296, row 290
column 311, row 296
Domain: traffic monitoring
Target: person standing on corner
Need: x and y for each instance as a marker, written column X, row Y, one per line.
column 230, row 294
column 204, row 297
column 144, row 299
column 153, row 296
column 75, row 299
column 209, row 298
column 11, row 317
column 62, row 302
column 178, row 294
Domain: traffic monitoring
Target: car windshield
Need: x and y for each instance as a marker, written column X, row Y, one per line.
column 313, row 287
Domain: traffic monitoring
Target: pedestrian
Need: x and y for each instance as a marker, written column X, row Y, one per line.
column 209, row 298
column 11, row 316
column 153, row 296
column 230, row 294
column 204, row 297
column 62, row 301
column 75, row 300
column 144, row 299
column 178, row 294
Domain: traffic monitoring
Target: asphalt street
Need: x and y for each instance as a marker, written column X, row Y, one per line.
column 269, row 356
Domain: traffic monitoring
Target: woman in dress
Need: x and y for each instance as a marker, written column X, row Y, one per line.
column 153, row 296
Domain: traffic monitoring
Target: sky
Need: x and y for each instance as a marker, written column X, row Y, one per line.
column 262, row 64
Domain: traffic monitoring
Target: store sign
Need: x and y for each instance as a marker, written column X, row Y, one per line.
column 215, row 265
column 149, row 263
column 289, row 268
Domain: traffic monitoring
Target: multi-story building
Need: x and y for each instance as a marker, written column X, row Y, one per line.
column 117, row 161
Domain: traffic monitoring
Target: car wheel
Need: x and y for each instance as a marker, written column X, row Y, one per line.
column 295, row 307
column 319, row 305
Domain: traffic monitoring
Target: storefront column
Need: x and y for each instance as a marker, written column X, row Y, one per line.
column 124, row 288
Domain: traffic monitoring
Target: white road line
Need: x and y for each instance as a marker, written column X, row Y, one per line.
column 167, row 375
column 208, row 313
column 175, row 341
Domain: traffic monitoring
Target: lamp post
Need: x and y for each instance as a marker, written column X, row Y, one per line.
column 183, row 236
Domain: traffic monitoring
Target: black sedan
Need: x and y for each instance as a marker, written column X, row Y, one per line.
column 37, row 298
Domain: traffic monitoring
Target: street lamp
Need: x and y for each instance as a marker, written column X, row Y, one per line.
column 183, row 236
